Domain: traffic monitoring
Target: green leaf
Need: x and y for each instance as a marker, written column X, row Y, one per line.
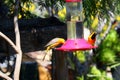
column 107, row 56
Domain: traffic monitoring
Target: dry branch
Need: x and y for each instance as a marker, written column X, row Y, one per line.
column 9, row 41
column 17, row 34
column 5, row 76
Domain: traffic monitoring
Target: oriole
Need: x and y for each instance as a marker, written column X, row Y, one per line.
column 53, row 43
column 92, row 38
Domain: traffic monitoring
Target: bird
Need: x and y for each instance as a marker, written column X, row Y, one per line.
column 53, row 44
column 92, row 38
column 114, row 24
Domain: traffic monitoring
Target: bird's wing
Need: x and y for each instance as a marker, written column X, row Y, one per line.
column 52, row 41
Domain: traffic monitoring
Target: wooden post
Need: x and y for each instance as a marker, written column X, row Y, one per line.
column 61, row 65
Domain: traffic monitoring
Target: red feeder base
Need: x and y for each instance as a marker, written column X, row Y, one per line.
column 74, row 45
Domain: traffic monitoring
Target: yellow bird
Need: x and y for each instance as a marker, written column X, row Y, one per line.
column 92, row 38
column 53, row 44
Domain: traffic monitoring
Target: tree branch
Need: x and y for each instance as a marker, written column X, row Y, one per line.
column 9, row 41
column 5, row 76
column 112, row 18
column 17, row 34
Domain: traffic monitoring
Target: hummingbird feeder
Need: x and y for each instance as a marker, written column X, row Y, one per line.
column 75, row 40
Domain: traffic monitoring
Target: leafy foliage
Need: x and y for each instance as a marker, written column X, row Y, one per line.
column 91, row 7
column 96, row 74
column 101, row 7
column 25, row 8
column 109, row 48
column 107, row 56
column 80, row 56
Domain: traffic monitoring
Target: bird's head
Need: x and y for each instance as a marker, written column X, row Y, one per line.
column 61, row 40
column 92, row 38
column 93, row 35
